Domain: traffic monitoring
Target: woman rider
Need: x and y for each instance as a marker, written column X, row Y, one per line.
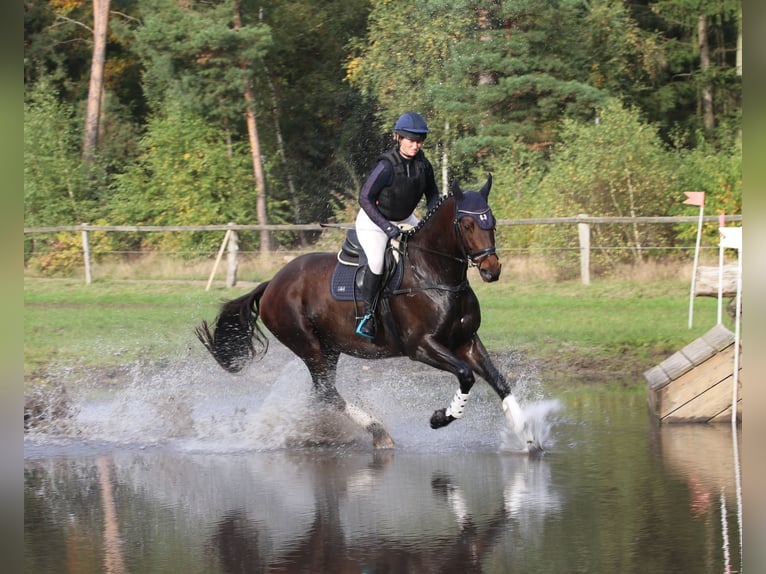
column 399, row 180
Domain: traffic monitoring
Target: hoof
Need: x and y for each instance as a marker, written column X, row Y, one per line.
column 380, row 437
column 441, row 419
column 382, row 443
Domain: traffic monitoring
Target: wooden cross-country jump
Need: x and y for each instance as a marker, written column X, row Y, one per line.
column 695, row 383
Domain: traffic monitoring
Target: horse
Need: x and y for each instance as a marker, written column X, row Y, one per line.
column 433, row 316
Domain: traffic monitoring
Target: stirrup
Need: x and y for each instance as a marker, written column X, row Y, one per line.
column 363, row 323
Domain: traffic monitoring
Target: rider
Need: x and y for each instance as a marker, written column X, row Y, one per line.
column 399, row 180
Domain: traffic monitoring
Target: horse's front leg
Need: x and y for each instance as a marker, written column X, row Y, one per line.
column 476, row 355
column 437, row 355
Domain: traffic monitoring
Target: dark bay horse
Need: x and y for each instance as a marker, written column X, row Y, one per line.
column 434, row 314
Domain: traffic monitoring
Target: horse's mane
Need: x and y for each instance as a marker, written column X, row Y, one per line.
column 429, row 215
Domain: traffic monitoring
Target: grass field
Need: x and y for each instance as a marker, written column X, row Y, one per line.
column 611, row 327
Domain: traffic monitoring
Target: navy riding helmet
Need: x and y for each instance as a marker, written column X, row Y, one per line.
column 411, row 126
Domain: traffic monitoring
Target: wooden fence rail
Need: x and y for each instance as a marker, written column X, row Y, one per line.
column 585, row 219
column 583, row 223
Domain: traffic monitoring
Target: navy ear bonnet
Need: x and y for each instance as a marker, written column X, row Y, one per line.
column 472, row 203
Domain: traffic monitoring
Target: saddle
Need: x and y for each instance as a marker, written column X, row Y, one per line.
column 346, row 281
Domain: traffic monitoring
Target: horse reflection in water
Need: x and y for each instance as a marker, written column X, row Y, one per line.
column 339, row 541
column 434, row 314
column 289, row 511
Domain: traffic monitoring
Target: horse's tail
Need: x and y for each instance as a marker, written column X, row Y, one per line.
column 231, row 343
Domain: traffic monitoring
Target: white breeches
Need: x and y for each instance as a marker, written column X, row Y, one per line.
column 373, row 239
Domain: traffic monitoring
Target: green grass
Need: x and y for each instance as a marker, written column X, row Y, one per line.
column 111, row 323
column 619, row 316
column 620, row 326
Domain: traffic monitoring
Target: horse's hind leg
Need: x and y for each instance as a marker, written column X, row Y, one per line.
column 380, row 437
column 323, row 369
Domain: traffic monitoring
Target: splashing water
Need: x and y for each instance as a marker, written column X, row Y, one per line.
column 539, row 423
column 193, row 406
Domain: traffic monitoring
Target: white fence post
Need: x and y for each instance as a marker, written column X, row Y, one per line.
column 583, row 232
column 231, row 259
column 86, row 253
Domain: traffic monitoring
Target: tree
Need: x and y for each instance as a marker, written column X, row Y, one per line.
column 96, row 88
column 701, row 85
column 57, row 45
column 54, row 190
column 621, row 57
column 616, row 167
column 255, row 144
column 184, row 175
column 193, row 49
column 402, row 62
column 495, row 78
column 523, row 71
column 207, row 56
column 59, row 53
column 327, row 129
column 496, row 72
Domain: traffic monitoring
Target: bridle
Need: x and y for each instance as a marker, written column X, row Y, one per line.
column 470, row 259
column 474, row 258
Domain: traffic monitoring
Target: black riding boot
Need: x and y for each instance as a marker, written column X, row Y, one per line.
column 370, row 286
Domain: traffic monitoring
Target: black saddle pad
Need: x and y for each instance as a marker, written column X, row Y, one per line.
column 345, row 287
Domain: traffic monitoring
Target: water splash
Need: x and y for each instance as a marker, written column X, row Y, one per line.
column 540, row 422
column 191, row 405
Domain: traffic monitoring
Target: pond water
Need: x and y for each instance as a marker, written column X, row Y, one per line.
column 190, row 470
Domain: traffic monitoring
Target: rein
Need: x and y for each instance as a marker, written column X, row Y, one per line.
column 402, row 250
column 434, row 252
column 462, row 286
column 472, row 259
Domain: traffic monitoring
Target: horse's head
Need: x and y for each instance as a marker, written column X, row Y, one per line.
column 475, row 226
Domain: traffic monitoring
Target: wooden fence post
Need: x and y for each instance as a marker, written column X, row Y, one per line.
column 231, row 259
column 86, row 253
column 583, row 232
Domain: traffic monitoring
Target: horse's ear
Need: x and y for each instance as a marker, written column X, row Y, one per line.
column 456, row 191
column 487, row 186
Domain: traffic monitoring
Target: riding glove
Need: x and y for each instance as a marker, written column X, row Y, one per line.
column 392, row 231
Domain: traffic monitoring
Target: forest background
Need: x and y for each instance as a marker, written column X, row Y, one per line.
column 183, row 112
